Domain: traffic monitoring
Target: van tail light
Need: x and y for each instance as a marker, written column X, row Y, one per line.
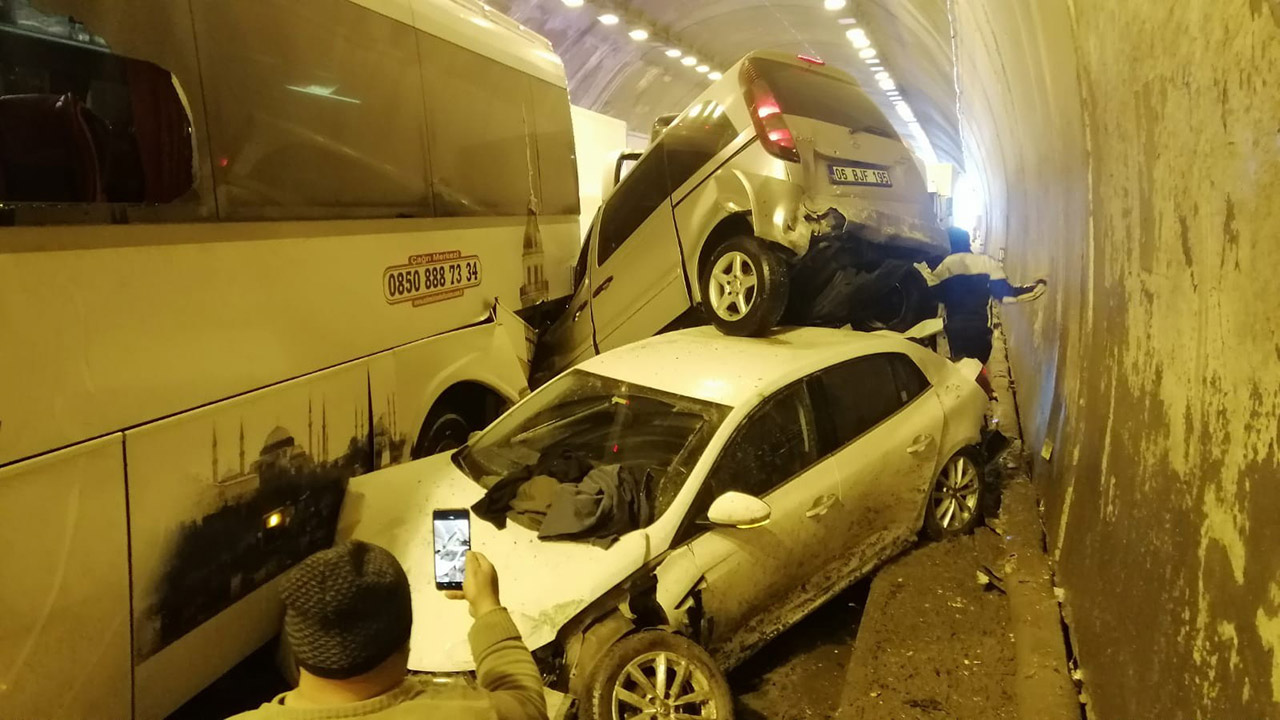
column 767, row 117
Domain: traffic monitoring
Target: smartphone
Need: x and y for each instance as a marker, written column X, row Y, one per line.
column 451, row 531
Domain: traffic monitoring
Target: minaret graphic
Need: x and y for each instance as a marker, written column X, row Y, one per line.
column 311, row 435
column 215, row 453
column 324, row 430
column 242, row 447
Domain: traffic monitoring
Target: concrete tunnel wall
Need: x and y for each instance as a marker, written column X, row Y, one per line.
column 1131, row 154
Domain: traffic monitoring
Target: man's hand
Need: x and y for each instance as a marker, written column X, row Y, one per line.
column 479, row 585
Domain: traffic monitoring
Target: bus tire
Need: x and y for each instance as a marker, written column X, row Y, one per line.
column 442, row 431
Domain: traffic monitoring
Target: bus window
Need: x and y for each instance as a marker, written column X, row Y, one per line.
column 480, row 123
column 315, row 110
column 81, row 124
column 557, row 168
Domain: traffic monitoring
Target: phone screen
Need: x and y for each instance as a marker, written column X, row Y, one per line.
column 451, row 530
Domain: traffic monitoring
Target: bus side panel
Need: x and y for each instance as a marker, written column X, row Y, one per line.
column 64, row 585
column 147, row 327
column 222, row 501
column 407, row 382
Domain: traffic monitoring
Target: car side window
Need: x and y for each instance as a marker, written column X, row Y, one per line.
column 858, row 394
column 775, row 443
column 641, row 192
column 911, row 381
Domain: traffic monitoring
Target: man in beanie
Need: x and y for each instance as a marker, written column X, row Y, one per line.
column 347, row 619
column 967, row 281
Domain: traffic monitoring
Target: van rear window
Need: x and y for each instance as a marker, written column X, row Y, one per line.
column 813, row 94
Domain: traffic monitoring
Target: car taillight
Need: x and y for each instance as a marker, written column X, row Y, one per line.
column 766, row 115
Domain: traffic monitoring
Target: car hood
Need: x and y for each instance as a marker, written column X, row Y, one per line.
column 543, row 583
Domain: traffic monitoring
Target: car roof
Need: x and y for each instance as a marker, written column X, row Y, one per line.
column 705, row 364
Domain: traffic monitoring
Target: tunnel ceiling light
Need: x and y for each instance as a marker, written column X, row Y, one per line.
column 609, row 19
column 639, row 34
column 716, row 76
column 871, row 61
column 867, row 53
column 876, row 68
column 689, row 61
column 888, row 84
column 855, row 34
column 673, row 53
column 904, row 110
column 572, row 3
column 847, row 21
column 834, row 4
column 882, row 75
column 702, row 69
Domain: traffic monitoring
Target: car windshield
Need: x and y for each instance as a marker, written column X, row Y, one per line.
column 604, row 421
column 813, row 94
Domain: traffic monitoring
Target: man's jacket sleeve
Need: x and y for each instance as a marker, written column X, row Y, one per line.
column 506, row 669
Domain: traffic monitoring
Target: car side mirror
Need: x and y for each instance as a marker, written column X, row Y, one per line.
column 740, row 510
column 623, row 161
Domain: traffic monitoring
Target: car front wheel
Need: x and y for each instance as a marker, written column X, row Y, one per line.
column 660, row 676
column 956, row 499
column 745, row 287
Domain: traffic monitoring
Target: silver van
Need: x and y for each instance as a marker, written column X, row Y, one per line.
column 778, row 172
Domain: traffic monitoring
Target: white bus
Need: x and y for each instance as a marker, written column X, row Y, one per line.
column 248, row 249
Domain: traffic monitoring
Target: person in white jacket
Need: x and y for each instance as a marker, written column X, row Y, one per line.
column 966, row 283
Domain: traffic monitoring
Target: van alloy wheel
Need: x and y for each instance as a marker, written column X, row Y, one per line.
column 663, row 686
column 955, row 496
column 733, row 285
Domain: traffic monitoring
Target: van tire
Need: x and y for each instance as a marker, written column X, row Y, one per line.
column 750, row 281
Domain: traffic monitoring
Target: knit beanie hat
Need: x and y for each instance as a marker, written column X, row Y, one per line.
column 347, row 609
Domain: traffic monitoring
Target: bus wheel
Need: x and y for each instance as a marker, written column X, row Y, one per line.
column 443, row 430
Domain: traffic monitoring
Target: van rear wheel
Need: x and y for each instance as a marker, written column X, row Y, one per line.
column 745, row 287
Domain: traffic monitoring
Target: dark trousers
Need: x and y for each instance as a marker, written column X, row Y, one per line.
column 969, row 340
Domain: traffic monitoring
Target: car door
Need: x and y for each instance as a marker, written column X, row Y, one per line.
column 886, row 422
column 753, row 575
column 637, row 278
column 572, row 338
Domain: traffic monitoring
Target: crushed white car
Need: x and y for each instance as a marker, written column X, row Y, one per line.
column 776, row 472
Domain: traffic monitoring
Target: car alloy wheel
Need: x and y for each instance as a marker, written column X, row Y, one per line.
column 655, row 675
column 733, row 286
column 955, row 495
column 663, row 686
column 745, row 286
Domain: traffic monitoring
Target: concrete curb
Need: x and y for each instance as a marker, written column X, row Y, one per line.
column 1042, row 687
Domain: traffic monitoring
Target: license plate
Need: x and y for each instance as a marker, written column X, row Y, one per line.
column 845, row 175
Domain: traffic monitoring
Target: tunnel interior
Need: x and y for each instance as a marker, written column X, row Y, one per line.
column 1126, row 152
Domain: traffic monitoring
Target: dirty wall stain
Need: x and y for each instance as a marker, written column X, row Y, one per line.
column 1171, row 421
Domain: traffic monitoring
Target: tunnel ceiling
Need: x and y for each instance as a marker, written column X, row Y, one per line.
column 635, row 81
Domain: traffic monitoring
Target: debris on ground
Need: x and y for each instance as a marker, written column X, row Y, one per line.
column 988, row 579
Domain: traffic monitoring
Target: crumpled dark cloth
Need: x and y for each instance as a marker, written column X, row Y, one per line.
column 566, row 466
column 610, row 501
column 533, row 500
